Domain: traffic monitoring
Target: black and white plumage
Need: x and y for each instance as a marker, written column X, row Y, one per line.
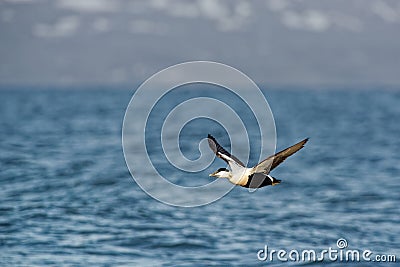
column 255, row 177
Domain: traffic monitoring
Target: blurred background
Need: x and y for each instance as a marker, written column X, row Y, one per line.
column 329, row 70
column 98, row 42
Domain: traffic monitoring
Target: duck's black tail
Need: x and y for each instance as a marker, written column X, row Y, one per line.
column 276, row 181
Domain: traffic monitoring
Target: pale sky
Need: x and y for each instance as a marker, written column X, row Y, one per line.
column 277, row 42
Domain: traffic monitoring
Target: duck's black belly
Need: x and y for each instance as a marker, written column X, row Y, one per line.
column 258, row 180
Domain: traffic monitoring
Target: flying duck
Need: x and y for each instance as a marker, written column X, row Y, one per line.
column 255, row 177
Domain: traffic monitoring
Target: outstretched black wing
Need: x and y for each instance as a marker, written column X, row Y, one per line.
column 222, row 153
column 272, row 162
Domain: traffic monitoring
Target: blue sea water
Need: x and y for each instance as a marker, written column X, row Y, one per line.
column 67, row 197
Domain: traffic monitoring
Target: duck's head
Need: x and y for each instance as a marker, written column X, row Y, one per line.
column 222, row 173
